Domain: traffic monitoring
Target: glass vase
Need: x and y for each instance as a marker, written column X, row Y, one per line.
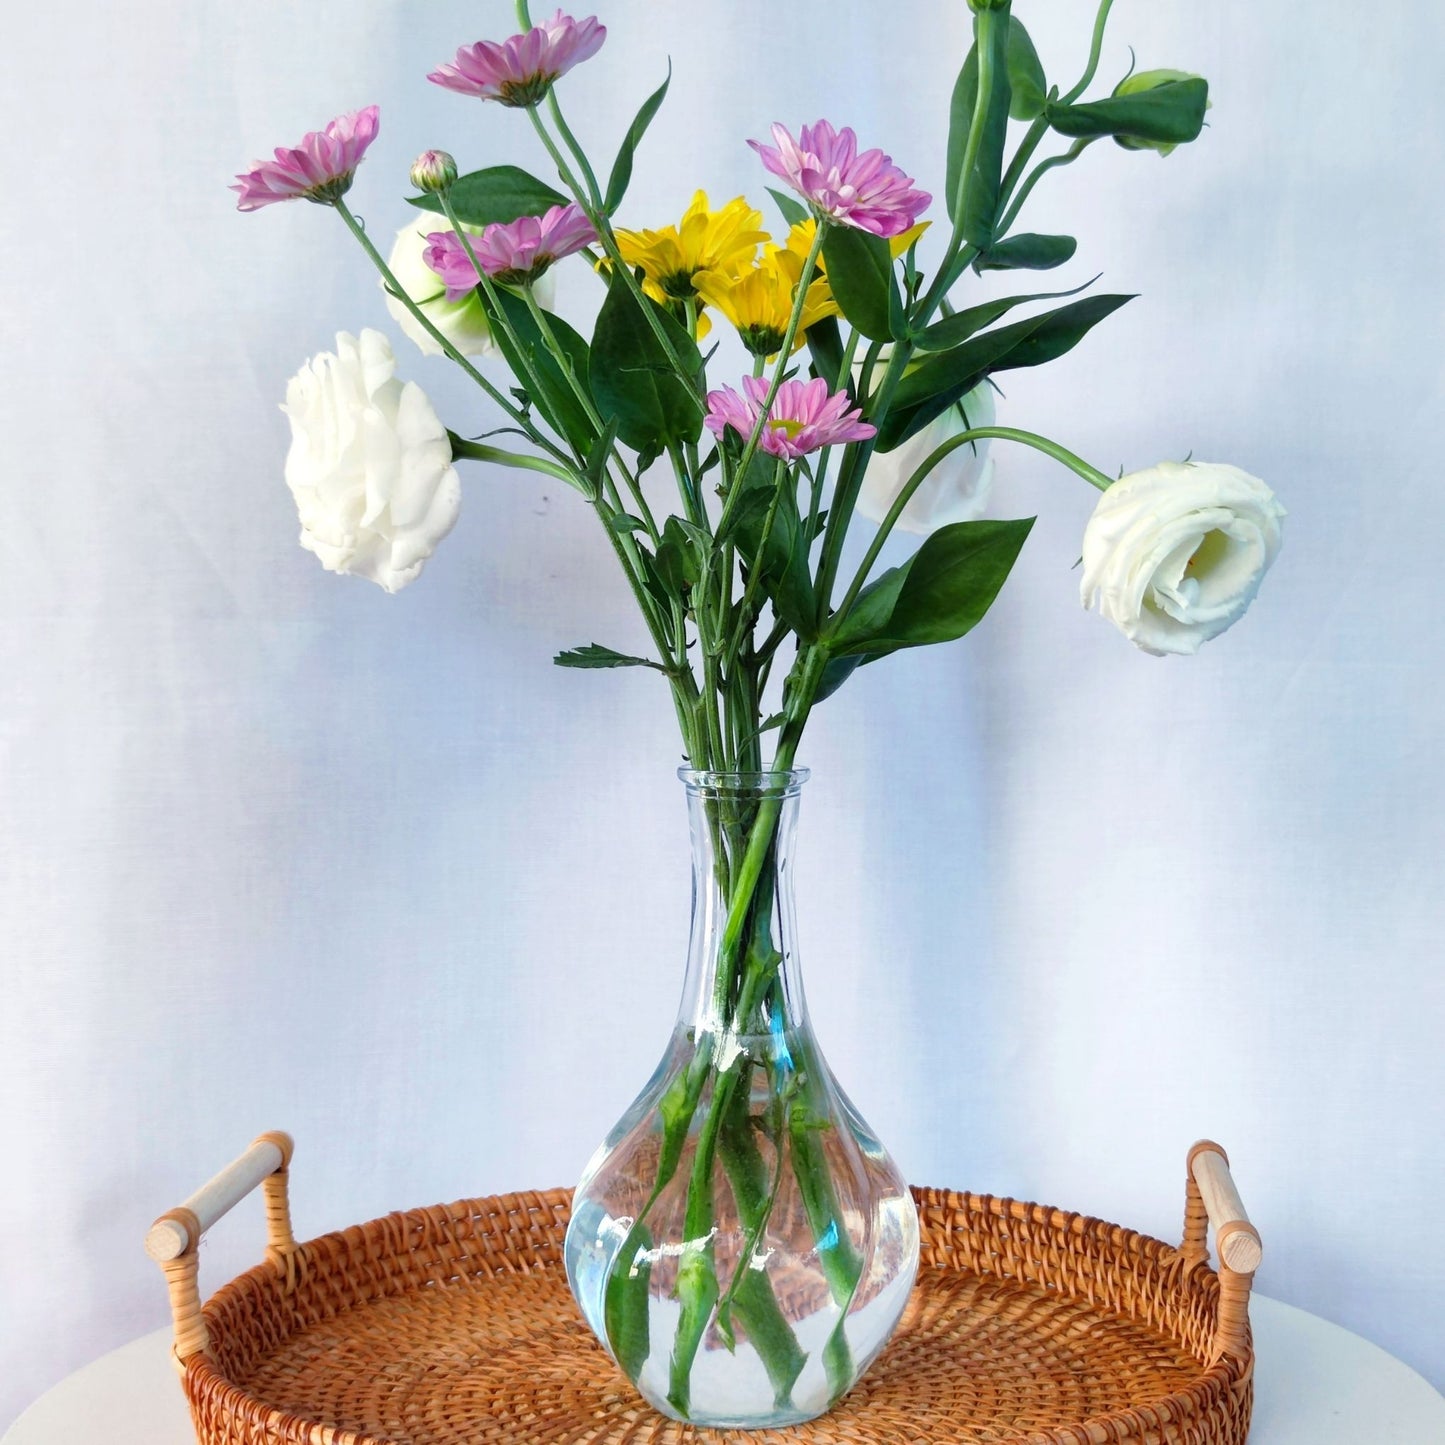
column 741, row 1242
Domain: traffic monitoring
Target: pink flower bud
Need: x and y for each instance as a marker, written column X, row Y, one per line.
column 433, row 171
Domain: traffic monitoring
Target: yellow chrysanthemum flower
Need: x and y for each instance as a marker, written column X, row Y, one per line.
column 705, row 241
column 759, row 300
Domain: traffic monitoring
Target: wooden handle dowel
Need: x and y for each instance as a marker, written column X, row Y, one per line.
column 174, row 1237
column 180, row 1230
column 1236, row 1240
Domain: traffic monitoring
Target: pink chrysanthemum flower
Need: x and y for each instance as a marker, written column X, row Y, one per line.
column 515, row 253
column 823, row 165
column 804, row 416
column 521, row 70
column 320, row 168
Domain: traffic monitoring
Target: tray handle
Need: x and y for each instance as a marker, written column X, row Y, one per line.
column 174, row 1239
column 1210, row 1198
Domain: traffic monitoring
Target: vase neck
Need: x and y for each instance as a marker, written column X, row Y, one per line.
column 743, row 971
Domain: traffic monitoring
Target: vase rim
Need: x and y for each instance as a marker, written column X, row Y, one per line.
column 782, row 782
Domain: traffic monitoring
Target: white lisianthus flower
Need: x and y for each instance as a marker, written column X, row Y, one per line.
column 1174, row 554
column 370, row 464
column 463, row 323
column 956, row 490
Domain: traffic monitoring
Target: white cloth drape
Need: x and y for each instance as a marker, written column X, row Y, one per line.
column 277, row 850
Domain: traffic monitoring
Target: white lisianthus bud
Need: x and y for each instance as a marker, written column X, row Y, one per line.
column 1136, row 84
column 956, row 490
column 463, row 323
column 433, row 171
column 1174, row 554
column 370, row 464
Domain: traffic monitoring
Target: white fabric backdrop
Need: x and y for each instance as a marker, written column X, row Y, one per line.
column 277, row 850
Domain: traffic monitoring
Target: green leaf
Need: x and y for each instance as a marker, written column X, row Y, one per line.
column 679, row 558
column 597, row 458
column 787, row 579
column 499, row 193
column 1027, row 251
column 836, row 671
column 657, row 589
column 595, row 655
column 825, row 347
column 932, row 387
column 960, row 118
column 626, row 1302
column 859, row 267
column 1027, row 84
column 867, row 618
column 952, row 330
column 632, row 378
column 938, row 595
column 793, row 211
column 622, row 166
column 625, row 522
column 1172, row 113
column 555, row 396
column 981, row 188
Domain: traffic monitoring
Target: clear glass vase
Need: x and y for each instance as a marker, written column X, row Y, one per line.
column 741, row 1242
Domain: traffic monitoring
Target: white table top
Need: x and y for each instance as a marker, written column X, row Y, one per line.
column 1315, row 1384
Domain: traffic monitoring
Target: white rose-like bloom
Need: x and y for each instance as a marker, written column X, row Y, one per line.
column 463, row 323
column 370, row 464
column 1174, row 554
column 956, row 490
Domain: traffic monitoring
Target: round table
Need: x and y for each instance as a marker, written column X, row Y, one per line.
column 1315, row 1384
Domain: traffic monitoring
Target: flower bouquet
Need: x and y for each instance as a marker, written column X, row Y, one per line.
column 741, row 1243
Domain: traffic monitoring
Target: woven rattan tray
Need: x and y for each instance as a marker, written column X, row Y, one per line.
column 454, row 1326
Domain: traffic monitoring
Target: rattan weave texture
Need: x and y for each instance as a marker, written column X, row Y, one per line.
column 454, row 1326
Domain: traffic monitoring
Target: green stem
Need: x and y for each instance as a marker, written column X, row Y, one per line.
column 1076, row 464
column 781, row 477
column 480, row 452
column 850, row 481
column 815, row 500
column 983, row 26
column 489, row 289
column 951, row 268
column 1030, row 143
column 608, row 240
column 850, row 350
column 570, row 141
column 786, row 351
column 589, row 409
column 1096, row 47
column 1038, row 173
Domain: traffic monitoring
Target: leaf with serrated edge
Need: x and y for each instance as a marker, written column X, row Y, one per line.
column 595, row 655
